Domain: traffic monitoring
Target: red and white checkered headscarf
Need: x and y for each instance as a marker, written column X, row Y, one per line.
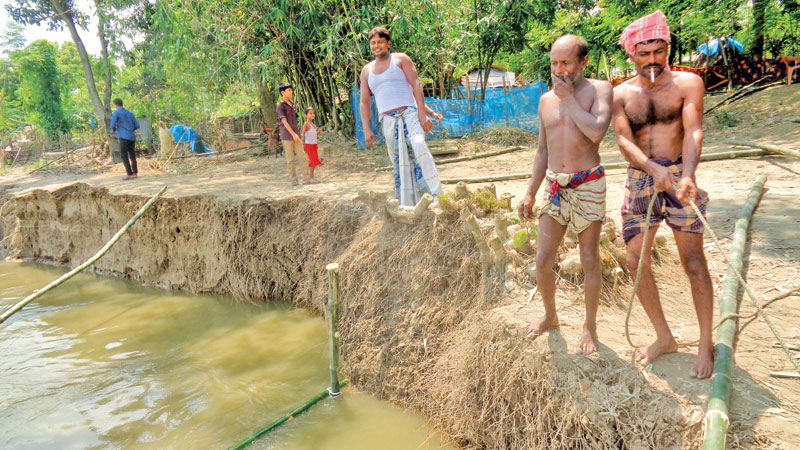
column 651, row 26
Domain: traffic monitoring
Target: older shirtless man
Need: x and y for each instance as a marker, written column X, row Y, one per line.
column 658, row 120
column 574, row 118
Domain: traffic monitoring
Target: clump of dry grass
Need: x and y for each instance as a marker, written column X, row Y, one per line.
column 504, row 136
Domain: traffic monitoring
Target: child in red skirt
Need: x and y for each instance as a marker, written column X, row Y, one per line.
column 310, row 133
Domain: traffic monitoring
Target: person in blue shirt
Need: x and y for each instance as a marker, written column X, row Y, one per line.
column 124, row 123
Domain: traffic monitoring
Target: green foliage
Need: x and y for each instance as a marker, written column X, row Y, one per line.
column 42, row 80
column 725, row 119
column 194, row 61
column 447, row 204
column 12, row 38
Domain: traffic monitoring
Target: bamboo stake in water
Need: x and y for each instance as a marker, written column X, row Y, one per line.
column 305, row 407
column 88, row 263
column 716, row 420
column 333, row 302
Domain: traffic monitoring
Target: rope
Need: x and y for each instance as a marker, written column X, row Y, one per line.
column 746, row 287
column 750, row 294
column 639, row 270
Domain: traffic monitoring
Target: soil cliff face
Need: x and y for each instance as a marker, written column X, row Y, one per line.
column 422, row 322
column 197, row 244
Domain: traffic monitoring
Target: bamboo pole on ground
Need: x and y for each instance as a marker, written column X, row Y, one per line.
column 332, row 304
column 466, row 158
column 48, row 163
column 744, row 92
column 716, row 156
column 716, row 420
column 200, row 155
column 769, row 147
column 88, row 263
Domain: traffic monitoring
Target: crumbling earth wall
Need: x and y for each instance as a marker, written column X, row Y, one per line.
column 422, row 320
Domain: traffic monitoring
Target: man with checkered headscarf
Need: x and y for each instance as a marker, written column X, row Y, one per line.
column 658, row 120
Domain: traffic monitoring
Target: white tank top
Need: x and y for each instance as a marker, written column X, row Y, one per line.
column 311, row 135
column 391, row 88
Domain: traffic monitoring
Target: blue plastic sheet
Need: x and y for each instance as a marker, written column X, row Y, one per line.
column 184, row 133
column 519, row 108
column 714, row 46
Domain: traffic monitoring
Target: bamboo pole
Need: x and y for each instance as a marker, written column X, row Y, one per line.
column 47, row 163
column 88, row 263
column 769, row 147
column 716, row 156
column 738, row 93
column 305, row 407
column 333, row 302
column 716, row 419
column 200, row 155
column 466, row 158
column 743, row 93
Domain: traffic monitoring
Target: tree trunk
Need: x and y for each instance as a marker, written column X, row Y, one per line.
column 66, row 16
column 102, row 22
column 759, row 10
column 268, row 101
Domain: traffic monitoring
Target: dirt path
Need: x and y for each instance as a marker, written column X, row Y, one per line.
column 762, row 406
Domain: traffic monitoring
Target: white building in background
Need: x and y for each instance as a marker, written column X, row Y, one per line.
column 499, row 77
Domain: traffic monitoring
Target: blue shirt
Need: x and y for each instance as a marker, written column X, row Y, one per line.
column 124, row 122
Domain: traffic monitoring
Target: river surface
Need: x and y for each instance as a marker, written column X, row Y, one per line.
column 103, row 363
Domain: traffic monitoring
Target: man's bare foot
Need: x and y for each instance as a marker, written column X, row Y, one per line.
column 588, row 342
column 537, row 328
column 646, row 355
column 294, row 183
column 128, row 177
column 704, row 364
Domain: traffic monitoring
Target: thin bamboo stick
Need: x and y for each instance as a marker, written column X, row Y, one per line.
column 466, row 158
column 770, row 147
column 744, row 92
column 791, row 375
column 47, row 163
column 200, row 155
column 88, row 263
column 333, row 302
column 716, row 156
column 285, row 418
column 716, row 420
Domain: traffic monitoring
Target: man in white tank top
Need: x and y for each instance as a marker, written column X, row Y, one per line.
column 393, row 79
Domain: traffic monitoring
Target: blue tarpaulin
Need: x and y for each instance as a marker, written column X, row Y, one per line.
column 714, row 46
column 519, row 108
column 184, row 133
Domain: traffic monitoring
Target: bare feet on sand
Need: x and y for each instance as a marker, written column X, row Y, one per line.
column 704, row 364
column 537, row 328
column 646, row 355
column 588, row 342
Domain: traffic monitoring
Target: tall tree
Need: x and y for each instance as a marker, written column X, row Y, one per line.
column 12, row 38
column 58, row 14
column 759, row 13
column 38, row 69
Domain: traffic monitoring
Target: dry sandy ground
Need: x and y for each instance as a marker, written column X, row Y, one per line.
column 768, row 405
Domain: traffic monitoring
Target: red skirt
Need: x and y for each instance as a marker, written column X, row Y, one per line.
column 313, row 157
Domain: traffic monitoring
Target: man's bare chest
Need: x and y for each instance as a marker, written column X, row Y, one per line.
column 647, row 109
column 555, row 112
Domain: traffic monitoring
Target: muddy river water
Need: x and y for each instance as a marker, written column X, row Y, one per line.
column 103, row 363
